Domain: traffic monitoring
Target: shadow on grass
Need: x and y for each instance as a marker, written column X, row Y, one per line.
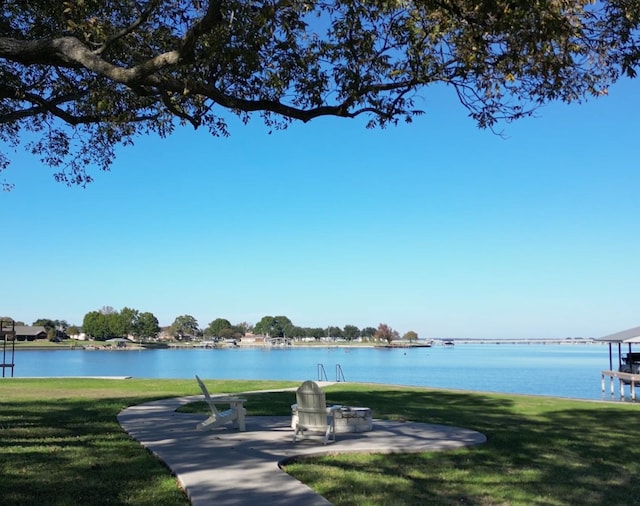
column 75, row 452
column 539, row 451
column 61, row 444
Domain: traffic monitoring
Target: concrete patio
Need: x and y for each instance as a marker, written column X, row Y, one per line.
column 230, row 468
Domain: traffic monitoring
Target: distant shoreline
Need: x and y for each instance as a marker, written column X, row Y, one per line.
column 90, row 346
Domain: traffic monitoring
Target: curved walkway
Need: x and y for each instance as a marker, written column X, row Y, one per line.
column 230, row 468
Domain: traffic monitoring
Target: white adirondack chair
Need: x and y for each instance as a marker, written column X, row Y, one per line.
column 235, row 414
column 313, row 414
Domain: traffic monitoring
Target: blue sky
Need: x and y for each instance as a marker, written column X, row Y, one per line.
column 436, row 226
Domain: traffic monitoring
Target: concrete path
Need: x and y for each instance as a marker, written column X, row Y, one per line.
column 230, row 468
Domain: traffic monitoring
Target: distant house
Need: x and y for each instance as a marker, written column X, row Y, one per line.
column 80, row 336
column 165, row 335
column 250, row 338
column 30, row 333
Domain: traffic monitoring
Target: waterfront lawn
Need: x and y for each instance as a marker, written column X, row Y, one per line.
column 60, row 444
column 540, row 451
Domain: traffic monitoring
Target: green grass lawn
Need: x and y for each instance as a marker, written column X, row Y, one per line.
column 60, row 444
column 544, row 451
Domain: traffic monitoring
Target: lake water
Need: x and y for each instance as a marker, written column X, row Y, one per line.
column 554, row 370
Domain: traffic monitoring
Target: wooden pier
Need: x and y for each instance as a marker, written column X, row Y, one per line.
column 624, row 378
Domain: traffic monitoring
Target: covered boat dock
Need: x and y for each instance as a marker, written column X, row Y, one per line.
column 626, row 367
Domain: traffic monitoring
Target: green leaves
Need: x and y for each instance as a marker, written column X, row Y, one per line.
column 274, row 326
column 108, row 323
column 87, row 75
column 217, row 327
column 184, row 325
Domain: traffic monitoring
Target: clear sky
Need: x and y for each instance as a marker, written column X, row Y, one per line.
column 436, row 226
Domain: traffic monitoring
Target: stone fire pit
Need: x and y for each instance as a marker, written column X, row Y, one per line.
column 347, row 418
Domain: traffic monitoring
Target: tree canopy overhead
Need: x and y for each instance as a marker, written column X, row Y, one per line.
column 87, row 75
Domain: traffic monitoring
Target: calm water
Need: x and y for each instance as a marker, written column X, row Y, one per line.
column 555, row 370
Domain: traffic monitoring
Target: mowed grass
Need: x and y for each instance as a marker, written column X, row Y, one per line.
column 60, row 444
column 540, row 450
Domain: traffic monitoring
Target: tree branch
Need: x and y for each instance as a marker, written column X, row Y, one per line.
column 212, row 16
column 166, row 100
column 144, row 16
column 70, row 52
column 44, row 105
